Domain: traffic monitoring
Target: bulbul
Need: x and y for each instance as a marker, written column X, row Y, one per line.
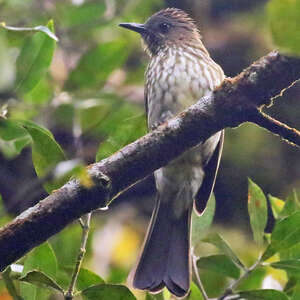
column 180, row 72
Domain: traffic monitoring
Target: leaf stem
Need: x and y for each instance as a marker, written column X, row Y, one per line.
column 85, row 224
column 10, row 285
column 235, row 284
column 195, row 269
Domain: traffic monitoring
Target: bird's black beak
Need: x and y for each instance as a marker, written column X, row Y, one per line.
column 140, row 28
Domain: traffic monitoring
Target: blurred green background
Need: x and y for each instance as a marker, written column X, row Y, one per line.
column 91, row 99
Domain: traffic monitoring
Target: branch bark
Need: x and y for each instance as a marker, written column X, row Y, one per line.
column 236, row 101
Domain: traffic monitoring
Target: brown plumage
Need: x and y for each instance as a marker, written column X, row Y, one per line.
column 179, row 73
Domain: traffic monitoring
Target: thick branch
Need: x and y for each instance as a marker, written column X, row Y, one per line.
column 229, row 106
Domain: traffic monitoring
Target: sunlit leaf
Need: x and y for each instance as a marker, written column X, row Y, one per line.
column 107, row 292
column 34, row 60
column 40, row 279
column 292, row 266
column 258, row 211
column 221, row 244
column 266, row 294
column 284, row 19
column 220, row 264
column 285, row 235
column 276, row 205
column 200, row 224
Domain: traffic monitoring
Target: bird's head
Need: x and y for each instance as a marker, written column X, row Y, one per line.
column 166, row 28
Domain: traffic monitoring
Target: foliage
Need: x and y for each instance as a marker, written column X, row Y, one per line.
column 86, row 98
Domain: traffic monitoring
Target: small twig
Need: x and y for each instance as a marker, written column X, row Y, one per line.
column 85, row 224
column 10, row 285
column 288, row 134
column 199, row 282
column 236, row 283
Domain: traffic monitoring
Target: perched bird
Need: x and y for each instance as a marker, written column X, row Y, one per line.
column 179, row 73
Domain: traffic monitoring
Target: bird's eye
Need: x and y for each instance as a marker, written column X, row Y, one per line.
column 164, row 27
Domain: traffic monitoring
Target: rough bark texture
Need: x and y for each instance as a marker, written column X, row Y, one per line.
column 236, row 101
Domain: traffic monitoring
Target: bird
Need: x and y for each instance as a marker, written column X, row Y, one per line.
column 179, row 73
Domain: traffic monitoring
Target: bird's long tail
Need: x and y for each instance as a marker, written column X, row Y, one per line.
column 165, row 259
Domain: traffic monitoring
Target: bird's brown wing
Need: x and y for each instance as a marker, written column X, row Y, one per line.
column 210, row 171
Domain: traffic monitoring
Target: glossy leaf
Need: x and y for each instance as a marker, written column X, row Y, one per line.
column 286, row 234
column 222, row 245
column 200, row 224
column 266, row 294
column 46, row 153
column 276, row 205
column 258, row 211
column 42, row 259
column 107, row 292
column 13, row 138
column 34, row 60
column 87, row 278
column 40, row 279
column 284, row 19
column 219, row 263
column 96, row 65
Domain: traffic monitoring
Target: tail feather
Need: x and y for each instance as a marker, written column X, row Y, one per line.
column 165, row 258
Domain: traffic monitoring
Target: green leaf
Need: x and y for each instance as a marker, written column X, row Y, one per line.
column 46, row 30
column 13, row 138
column 46, row 153
column 291, row 205
column 126, row 123
column 34, row 60
column 222, row 245
column 107, row 292
column 284, row 20
column 220, row 264
column 87, row 278
column 158, row 296
column 266, row 294
column 96, row 65
column 40, row 279
column 286, row 234
column 296, row 292
column 195, row 293
column 42, row 259
column 291, row 266
column 254, row 280
column 276, row 205
column 78, row 15
column 258, row 211
column 203, row 222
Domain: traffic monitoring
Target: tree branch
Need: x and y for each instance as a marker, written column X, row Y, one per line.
column 232, row 104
